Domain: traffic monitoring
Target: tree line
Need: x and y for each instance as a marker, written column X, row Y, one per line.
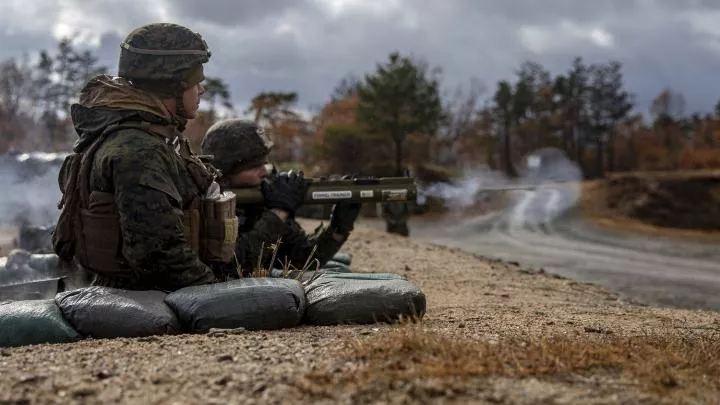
column 397, row 117
column 395, row 114
column 36, row 92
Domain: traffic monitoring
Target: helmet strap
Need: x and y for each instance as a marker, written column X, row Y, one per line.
column 179, row 116
column 180, row 110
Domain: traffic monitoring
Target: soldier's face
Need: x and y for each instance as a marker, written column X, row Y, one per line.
column 191, row 100
column 248, row 177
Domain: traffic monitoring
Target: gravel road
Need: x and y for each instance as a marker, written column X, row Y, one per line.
column 656, row 270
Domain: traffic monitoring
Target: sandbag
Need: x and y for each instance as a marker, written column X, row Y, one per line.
column 16, row 268
column 103, row 312
column 48, row 264
column 367, row 276
column 341, row 257
column 251, row 303
column 362, row 298
column 302, row 276
column 33, row 322
column 329, row 267
column 339, row 267
column 36, row 238
column 339, row 263
column 292, row 274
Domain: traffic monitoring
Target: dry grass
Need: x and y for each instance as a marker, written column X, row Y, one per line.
column 674, row 365
column 289, row 270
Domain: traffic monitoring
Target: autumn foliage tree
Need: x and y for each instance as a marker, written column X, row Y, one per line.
column 331, row 152
column 277, row 111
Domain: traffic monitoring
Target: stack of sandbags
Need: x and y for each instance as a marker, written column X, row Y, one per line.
column 25, row 275
column 330, row 298
column 22, row 265
column 36, row 238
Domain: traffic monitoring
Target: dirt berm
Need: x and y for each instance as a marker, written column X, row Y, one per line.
column 680, row 200
column 494, row 333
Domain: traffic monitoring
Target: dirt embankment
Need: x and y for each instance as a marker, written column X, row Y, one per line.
column 494, row 333
column 680, row 202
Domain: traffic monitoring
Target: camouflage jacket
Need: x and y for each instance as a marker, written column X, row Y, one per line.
column 150, row 182
column 260, row 229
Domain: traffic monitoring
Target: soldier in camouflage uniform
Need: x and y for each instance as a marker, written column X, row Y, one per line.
column 127, row 221
column 240, row 150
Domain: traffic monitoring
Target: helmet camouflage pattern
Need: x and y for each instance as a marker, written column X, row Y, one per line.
column 163, row 52
column 236, row 144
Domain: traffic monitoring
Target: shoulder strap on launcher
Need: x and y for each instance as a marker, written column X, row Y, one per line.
column 74, row 182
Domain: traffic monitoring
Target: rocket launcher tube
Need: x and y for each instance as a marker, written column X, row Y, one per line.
column 359, row 190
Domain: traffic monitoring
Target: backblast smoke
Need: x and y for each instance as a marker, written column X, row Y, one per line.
column 30, row 191
column 548, row 186
column 28, row 201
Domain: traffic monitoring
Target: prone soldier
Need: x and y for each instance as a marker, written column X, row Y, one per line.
column 240, row 150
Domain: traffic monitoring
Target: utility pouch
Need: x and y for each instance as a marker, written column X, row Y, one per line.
column 219, row 228
column 191, row 225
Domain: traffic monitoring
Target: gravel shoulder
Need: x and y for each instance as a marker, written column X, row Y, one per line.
column 468, row 297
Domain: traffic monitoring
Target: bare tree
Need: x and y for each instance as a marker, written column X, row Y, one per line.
column 462, row 112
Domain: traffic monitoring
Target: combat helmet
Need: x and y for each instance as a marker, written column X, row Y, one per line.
column 236, row 144
column 164, row 59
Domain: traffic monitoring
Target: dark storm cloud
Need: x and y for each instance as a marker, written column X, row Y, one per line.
column 235, row 12
column 309, row 45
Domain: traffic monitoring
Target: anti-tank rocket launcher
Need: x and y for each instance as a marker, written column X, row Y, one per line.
column 322, row 190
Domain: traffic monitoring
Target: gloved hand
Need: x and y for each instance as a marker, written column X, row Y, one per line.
column 343, row 217
column 344, row 214
column 286, row 191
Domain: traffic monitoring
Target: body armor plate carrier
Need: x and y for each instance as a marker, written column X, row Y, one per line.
column 88, row 229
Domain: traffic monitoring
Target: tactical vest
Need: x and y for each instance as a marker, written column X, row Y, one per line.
column 88, row 229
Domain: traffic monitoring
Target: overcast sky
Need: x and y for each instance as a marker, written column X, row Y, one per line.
column 309, row 45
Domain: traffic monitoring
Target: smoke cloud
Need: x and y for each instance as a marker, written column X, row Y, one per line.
column 559, row 189
column 29, row 197
column 463, row 193
column 551, row 179
column 30, row 190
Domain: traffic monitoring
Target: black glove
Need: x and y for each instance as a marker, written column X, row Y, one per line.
column 286, row 191
column 344, row 215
